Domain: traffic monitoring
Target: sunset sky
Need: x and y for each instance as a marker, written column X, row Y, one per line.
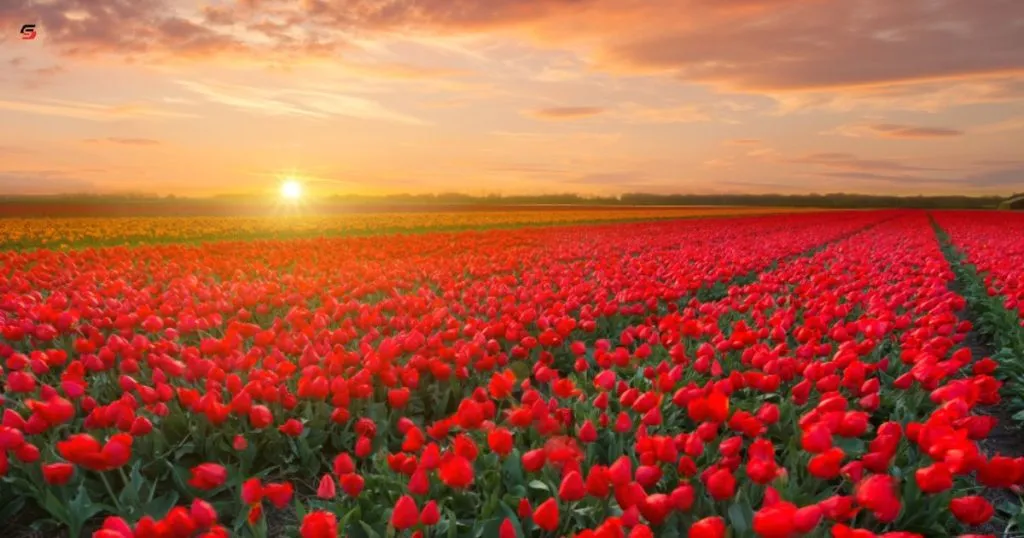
column 201, row 97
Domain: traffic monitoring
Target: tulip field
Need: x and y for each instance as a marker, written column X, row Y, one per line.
column 822, row 374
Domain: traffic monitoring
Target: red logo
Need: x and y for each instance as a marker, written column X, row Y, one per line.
column 28, row 31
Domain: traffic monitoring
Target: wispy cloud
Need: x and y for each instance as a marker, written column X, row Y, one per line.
column 895, row 131
column 626, row 113
column 91, row 111
column 296, row 102
column 847, row 161
column 637, row 113
column 565, row 113
column 123, row 141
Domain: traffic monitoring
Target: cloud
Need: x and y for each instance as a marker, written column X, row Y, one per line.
column 156, row 30
column 760, row 186
column 769, row 46
column 895, row 131
column 91, row 111
column 718, row 163
column 399, row 71
column 627, row 112
column 890, row 130
column 903, row 179
column 797, row 45
column 1010, row 124
column 31, row 78
column 528, row 169
column 916, row 96
column 612, row 178
column 124, row 141
column 15, row 150
column 1010, row 178
column 636, row 113
column 847, row 161
column 743, row 142
column 564, row 113
column 311, row 103
column 549, row 139
column 42, row 182
column 999, row 162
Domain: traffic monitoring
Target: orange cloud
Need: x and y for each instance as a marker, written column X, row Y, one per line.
column 123, row 141
column 896, row 131
column 889, row 130
column 847, row 161
column 90, row 111
column 562, row 113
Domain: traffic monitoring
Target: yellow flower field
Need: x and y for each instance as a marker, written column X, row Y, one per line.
column 46, row 232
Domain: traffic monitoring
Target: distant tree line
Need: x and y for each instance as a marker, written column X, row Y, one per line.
column 831, row 200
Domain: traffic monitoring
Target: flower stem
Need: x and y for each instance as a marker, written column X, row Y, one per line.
column 110, row 491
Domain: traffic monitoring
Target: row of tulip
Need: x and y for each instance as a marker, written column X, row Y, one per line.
column 986, row 250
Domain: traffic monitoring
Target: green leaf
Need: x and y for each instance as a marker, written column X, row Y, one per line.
column 851, row 446
column 160, row 506
column 11, row 508
column 512, row 516
column 537, row 484
column 512, row 469
column 369, row 530
column 453, row 527
column 488, row 528
column 81, row 508
column 55, row 507
column 740, row 517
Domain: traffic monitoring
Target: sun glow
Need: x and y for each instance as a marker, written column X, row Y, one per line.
column 291, row 189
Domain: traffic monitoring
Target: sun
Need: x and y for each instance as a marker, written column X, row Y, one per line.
column 291, row 189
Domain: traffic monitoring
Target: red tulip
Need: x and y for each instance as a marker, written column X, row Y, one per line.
column 57, row 474
column 203, row 514
column 260, row 417
column 291, row 428
column 709, row 527
column 319, row 524
column 279, row 493
column 208, row 476
column 352, row 484
column 500, row 441
column 721, row 484
column 343, row 465
column 430, row 514
column 572, row 487
column 935, row 478
column 327, row 489
column 405, row 514
column 825, row 465
column 456, row 472
column 546, row 515
column 507, row 530
column 878, row 494
column 972, row 509
column 775, row 521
